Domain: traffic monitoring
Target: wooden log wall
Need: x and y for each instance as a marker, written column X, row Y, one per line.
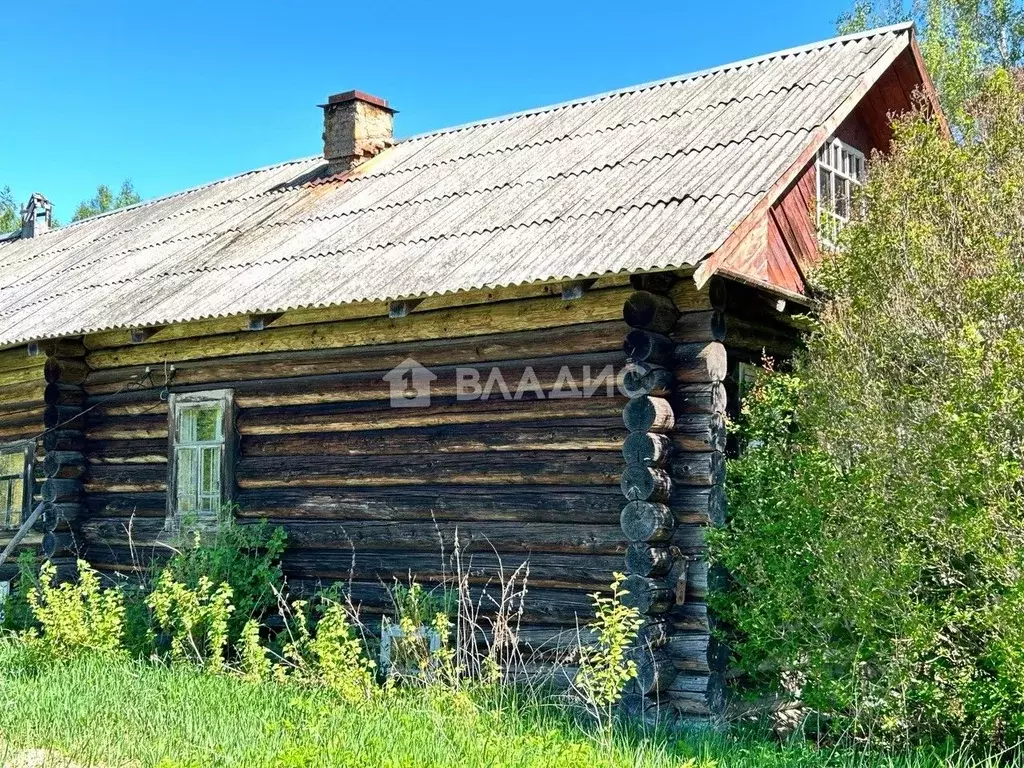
column 64, row 463
column 367, row 492
column 673, row 486
column 21, row 418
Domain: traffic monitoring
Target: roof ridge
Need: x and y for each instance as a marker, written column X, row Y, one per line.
column 569, row 136
column 806, row 48
column 170, row 196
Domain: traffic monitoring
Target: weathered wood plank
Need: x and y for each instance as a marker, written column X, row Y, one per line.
column 478, row 320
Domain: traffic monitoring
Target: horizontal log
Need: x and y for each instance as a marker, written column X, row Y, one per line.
column 447, row 438
column 21, row 397
column 699, row 398
column 647, row 449
column 63, row 440
column 689, row 298
column 583, row 339
column 23, row 425
column 704, row 326
column 126, row 478
column 478, row 320
column 695, row 694
column 69, row 347
column 644, row 560
column 352, row 311
column 696, row 505
column 545, row 571
column 64, row 394
column 144, row 504
column 409, row 536
column 647, row 379
column 61, row 516
column 18, row 358
column 654, row 672
column 64, row 464
column 67, row 417
column 648, row 596
column 655, row 282
column 697, row 468
column 699, row 363
column 650, row 311
column 66, row 570
column 298, row 419
column 699, row 432
column 60, row 544
column 62, row 491
column 689, row 539
column 643, row 521
column 689, row 651
column 526, row 467
column 14, row 377
column 648, row 414
column 648, row 347
column 641, row 483
column 568, row 608
column 568, row 504
column 65, row 371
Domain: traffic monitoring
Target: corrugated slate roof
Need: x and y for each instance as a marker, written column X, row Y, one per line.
column 647, row 178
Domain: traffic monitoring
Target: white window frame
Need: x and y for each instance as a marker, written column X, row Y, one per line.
column 178, row 404
column 846, row 169
column 8, row 504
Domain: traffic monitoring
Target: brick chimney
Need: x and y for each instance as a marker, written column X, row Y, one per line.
column 357, row 126
column 36, row 216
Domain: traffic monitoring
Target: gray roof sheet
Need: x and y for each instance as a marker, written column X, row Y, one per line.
column 650, row 177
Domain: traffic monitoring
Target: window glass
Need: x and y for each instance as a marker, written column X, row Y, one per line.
column 841, row 169
column 15, row 469
column 199, row 454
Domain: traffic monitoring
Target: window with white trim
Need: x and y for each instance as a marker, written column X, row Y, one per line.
column 15, row 482
column 841, row 169
column 202, row 444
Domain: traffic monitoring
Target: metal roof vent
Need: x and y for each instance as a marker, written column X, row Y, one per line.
column 36, row 216
column 357, row 126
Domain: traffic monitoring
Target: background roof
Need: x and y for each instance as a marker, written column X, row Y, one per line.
column 647, row 178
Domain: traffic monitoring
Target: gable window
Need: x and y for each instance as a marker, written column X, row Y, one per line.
column 202, row 448
column 841, row 169
column 15, row 482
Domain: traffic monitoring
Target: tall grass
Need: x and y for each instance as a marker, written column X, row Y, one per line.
column 118, row 713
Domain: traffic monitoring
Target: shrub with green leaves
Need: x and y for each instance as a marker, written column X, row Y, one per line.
column 74, row 617
column 194, row 618
column 606, row 666
column 330, row 655
column 244, row 557
column 876, row 540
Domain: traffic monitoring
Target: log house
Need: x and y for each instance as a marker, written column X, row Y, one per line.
column 315, row 343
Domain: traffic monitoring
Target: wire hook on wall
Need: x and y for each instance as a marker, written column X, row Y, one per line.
column 169, row 371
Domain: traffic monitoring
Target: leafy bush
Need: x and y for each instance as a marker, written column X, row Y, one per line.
column 876, row 541
column 194, row 618
column 17, row 610
column 606, row 666
column 74, row 617
column 331, row 655
column 244, row 557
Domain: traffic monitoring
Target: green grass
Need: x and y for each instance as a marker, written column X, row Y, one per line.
column 98, row 712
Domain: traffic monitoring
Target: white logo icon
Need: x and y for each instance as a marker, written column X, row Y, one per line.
column 410, row 384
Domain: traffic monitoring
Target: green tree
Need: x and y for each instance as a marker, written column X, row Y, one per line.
column 876, row 540
column 10, row 218
column 105, row 200
column 962, row 41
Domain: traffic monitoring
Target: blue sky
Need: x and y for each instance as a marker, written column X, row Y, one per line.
column 174, row 94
